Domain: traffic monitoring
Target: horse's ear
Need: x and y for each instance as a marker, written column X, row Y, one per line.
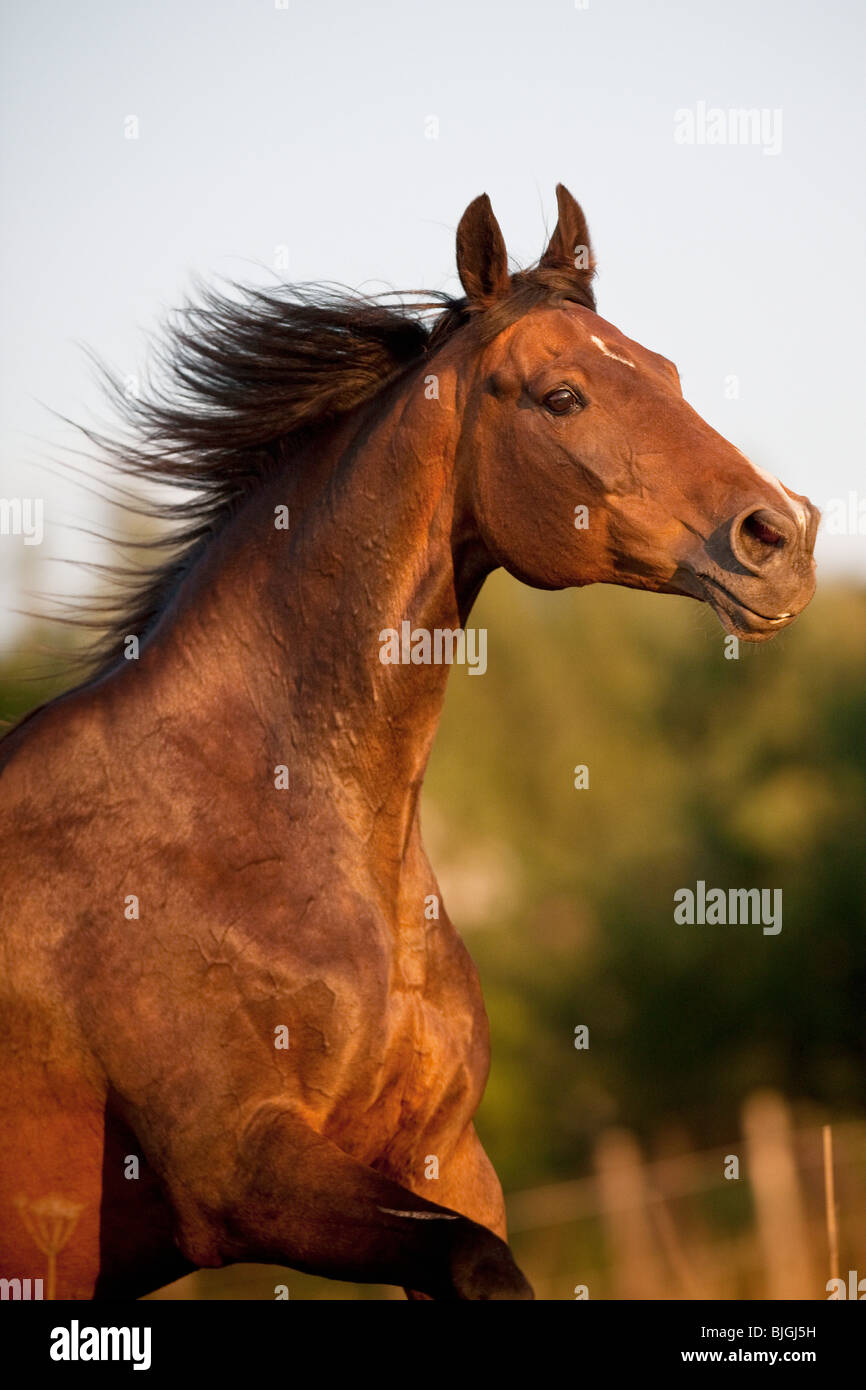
column 570, row 248
column 482, row 260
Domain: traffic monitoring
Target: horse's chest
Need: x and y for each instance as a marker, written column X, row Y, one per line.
column 426, row 1083
column 424, row 1056
column 439, row 1052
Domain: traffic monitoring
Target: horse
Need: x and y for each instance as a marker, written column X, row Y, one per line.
column 237, row 1021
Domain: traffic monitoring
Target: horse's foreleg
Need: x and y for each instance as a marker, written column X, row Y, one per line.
column 295, row 1198
column 466, row 1182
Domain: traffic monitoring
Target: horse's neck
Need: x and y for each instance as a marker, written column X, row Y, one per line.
column 276, row 635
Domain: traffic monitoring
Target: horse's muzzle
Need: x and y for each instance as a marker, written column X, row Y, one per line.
column 758, row 573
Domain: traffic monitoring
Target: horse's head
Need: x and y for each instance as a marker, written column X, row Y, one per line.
column 586, row 465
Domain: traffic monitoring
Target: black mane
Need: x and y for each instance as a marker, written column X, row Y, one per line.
column 235, row 377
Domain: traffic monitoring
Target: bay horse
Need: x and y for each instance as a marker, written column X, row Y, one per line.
column 237, row 1023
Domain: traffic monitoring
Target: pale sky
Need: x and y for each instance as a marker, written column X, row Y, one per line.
column 307, row 127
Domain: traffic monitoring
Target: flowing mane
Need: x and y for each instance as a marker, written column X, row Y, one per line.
column 236, row 379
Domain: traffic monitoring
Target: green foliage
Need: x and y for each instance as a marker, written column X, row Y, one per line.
column 743, row 773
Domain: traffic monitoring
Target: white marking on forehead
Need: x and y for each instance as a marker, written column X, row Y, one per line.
column 608, row 352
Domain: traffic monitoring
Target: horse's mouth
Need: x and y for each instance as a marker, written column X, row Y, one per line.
column 737, row 617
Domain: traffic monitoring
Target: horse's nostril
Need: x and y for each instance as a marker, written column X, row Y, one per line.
column 762, row 530
column 757, row 536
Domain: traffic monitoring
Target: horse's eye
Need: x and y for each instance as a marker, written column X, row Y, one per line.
column 562, row 401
